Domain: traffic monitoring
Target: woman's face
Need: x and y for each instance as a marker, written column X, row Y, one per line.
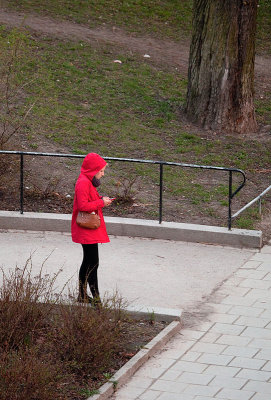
column 100, row 173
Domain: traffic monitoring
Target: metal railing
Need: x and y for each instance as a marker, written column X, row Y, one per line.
column 161, row 165
column 258, row 198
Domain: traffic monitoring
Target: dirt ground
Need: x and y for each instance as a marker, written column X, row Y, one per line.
column 57, row 196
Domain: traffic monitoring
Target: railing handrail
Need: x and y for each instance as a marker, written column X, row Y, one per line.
column 160, row 163
column 251, row 202
column 35, row 153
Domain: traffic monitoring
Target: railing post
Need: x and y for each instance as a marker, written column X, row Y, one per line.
column 230, row 197
column 22, row 184
column 161, row 194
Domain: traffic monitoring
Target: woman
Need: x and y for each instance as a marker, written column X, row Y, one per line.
column 87, row 199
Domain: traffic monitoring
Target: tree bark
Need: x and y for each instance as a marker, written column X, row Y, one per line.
column 221, row 65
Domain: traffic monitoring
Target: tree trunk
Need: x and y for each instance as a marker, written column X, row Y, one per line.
column 221, row 65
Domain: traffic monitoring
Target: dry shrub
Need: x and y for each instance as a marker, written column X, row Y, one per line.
column 25, row 374
column 50, row 348
column 86, row 338
column 22, row 315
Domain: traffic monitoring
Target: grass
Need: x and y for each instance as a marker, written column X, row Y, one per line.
column 76, row 92
column 164, row 19
column 171, row 18
column 86, row 102
column 247, row 219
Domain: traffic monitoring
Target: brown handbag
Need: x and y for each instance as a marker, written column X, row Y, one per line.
column 88, row 220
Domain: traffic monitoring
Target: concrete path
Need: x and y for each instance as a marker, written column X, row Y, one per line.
column 224, row 352
column 157, row 273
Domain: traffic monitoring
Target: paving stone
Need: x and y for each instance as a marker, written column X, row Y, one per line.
column 215, row 359
column 191, row 356
column 175, row 354
column 258, row 294
column 264, row 354
column 241, row 273
column 246, row 311
column 218, row 370
column 201, row 398
column 205, row 326
column 252, row 321
column 257, row 275
column 227, row 356
column 219, row 308
column 228, row 289
column 240, row 351
column 266, row 313
column 227, row 329
column 254, row 375
column 233, row 340
column 179, row 343
column 258, row 387
column 170, row 375
column 228, row 382
column 247, row 363
column 128, row 392
column 260, row 257
column 223, row 318
column 197, row 379
column 265, row 266
column 139, row 381
column 260, row 343
column 261, row 396
column 267, row 277
column 251, row 264
column 210, row 337
column 201, row 390
column 267, row 366
column 266, row 249
column 260, row 333
column 233, row 394
column 262, row 303
column 209, row 347
column 150, row 395
column 238, row 301
column 174, row 396
column 255, row 284
column 150, row 372
column 160, row 361
column 189, row 366
column 191, row 334
column 168, row 386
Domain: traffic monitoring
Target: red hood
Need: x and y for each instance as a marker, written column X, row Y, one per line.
column 92, row 164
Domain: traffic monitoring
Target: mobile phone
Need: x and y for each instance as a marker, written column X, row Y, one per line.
column 112, row 198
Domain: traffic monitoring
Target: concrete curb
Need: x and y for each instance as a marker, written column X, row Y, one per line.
column 128, row 369
column 154, row 313
column 138, row 228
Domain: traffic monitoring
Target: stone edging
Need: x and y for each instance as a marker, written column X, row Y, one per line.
column 128, row 369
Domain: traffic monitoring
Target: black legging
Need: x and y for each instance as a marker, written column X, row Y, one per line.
column 88, row 271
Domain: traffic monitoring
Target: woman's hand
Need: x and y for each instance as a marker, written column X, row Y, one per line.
column 107, row 201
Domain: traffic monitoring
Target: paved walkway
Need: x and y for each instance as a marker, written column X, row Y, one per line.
column 225, row 353
column 224, row 348
column 141, row 270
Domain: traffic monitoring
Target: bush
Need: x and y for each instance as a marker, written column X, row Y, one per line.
column 26, row 375
column 50, row 348
column 85, row 338
column 24, row 304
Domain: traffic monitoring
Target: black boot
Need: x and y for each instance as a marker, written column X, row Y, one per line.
column 83, row 296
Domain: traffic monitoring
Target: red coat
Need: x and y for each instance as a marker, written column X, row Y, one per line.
column 87, row 198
